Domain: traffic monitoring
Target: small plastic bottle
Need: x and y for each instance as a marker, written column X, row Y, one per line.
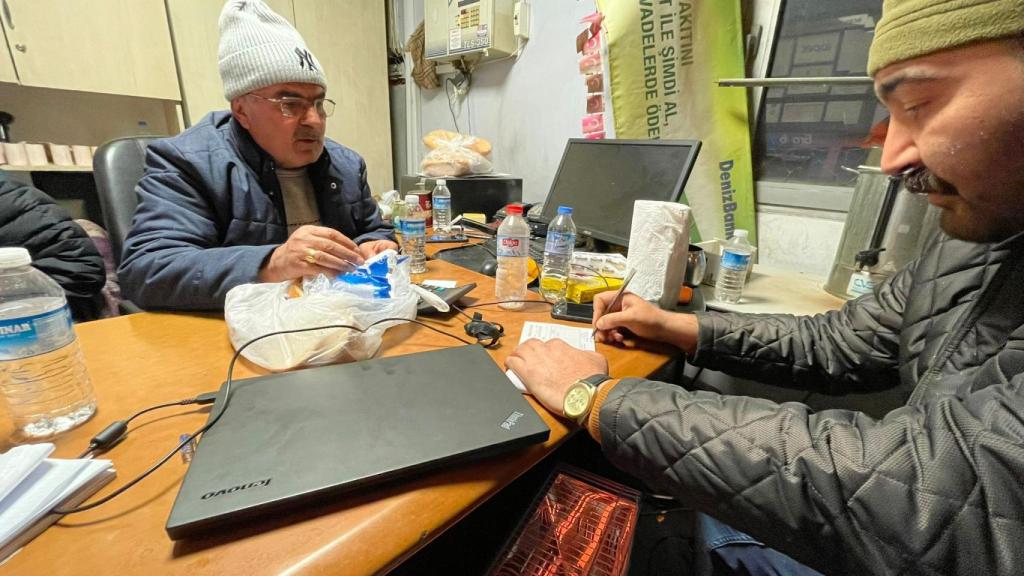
column 441, row 199
column 558, row 248
column 414, row 235
column 513, row 253
column 732, row 271
column 42, row 373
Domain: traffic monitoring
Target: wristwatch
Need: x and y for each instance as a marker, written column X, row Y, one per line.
column 579, row 398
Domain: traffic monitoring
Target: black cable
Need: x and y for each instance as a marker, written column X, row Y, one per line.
column 451, row 109
column 227, row 395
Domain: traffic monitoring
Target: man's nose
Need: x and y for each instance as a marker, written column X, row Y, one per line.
column 312, row 117
column 900, row 151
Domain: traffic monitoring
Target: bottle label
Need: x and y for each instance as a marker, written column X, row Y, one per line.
column 513, row 246
column 442, row 203
column 735, row 260
column 414, row 227
column 860, row 284
column 31, row 335
column 560, row 243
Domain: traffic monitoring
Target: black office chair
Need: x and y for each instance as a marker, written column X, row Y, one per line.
column 117, row 167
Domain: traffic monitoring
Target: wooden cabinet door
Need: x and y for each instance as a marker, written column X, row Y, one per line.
column 7, row 73
column 106, row 46
column 349, row 40
column 196, row 37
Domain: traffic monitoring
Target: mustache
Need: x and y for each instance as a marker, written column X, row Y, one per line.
column 307, row 135
column 921, row 180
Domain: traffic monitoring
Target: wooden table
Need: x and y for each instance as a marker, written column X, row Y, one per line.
column 143, row 359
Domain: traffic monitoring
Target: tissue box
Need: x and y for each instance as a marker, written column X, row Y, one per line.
column 713, row 252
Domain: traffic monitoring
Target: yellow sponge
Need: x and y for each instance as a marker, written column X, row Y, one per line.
column 583, row 290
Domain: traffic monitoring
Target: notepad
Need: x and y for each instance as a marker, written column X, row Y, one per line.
column 579, row 338
column 32, row 485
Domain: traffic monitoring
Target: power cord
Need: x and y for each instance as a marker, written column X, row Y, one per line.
column 227, row 396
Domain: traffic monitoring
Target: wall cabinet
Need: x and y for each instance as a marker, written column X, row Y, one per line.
column 349, row 39
column 7, row 73
column 105, row 46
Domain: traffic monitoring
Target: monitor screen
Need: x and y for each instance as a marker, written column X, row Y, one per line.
column 600, row 180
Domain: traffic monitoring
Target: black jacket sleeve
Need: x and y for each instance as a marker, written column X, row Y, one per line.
column 59, row 247
column 854, row 349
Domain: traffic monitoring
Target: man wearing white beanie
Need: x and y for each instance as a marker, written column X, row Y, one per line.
column 254, row 194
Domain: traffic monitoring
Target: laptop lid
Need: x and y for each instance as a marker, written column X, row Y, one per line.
column 301, row 436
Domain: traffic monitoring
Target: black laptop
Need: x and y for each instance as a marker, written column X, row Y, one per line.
column 301, row 437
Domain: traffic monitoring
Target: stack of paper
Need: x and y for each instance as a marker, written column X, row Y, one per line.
column 579, row 338
column 31, row 485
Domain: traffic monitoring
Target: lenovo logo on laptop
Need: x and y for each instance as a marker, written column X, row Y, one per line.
column 239, row 488
column 512, row 420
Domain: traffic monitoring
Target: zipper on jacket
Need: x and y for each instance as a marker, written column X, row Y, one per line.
column 980, row 305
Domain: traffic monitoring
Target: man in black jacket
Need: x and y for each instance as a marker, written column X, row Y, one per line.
column 934, row 487
column 59, row 247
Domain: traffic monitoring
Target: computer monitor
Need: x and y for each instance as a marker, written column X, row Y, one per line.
column 601, row 179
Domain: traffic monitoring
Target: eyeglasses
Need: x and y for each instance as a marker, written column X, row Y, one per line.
column 295, row 107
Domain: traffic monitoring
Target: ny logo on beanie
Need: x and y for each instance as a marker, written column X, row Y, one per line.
column 305, row 59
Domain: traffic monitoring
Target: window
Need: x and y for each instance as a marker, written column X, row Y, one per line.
column 807, row 134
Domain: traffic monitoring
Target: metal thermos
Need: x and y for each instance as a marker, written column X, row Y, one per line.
column 886, row 228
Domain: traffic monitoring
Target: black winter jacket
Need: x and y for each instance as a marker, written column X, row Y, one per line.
column 59, row 247
column 934, row 487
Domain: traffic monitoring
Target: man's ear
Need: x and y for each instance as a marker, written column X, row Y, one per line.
column 240, row 112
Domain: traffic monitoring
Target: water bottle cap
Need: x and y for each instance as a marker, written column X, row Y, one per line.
column 740, row 233
column 14, row 257
column 412, row 199
column 565, row 210
column 441, row 182
column 514, row 209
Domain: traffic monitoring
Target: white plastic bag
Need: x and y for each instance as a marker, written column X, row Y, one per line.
column 455, row 157
column 252, row 310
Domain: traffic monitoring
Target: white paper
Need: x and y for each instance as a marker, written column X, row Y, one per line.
column 48, row 484
column 18, row 462
column 440, row 283
column 579, row 338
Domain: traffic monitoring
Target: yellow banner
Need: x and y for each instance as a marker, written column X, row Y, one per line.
column 665, row 58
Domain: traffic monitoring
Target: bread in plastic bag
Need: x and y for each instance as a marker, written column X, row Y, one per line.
column 454, row 154
column 252, row 310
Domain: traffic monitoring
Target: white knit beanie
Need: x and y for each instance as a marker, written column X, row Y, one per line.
column 258, row 48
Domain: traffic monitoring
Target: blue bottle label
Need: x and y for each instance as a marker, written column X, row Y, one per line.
column 560, row 243
column 513, row 246
column 735, row 260
column 414, row 227
column 37, row 334
column 442, row 203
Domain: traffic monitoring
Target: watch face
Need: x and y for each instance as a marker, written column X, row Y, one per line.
column 576, row 401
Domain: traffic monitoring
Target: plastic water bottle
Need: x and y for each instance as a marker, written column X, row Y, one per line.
column 513, row 253
column 554, row 276
column 441, row 199
column 42, row 374
column 414, row 234
column 732, row 272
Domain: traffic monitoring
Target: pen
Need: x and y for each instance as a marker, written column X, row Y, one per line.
column 618, row 297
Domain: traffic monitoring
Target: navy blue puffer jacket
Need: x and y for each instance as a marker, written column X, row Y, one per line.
column 210, row 213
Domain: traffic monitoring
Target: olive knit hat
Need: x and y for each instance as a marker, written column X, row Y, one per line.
column 912, row 28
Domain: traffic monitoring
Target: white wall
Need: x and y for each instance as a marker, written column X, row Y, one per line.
column 527, row 107
column 530, row 106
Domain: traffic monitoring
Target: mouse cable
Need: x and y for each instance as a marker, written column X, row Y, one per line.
column 117, row 430
column 227, row 396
